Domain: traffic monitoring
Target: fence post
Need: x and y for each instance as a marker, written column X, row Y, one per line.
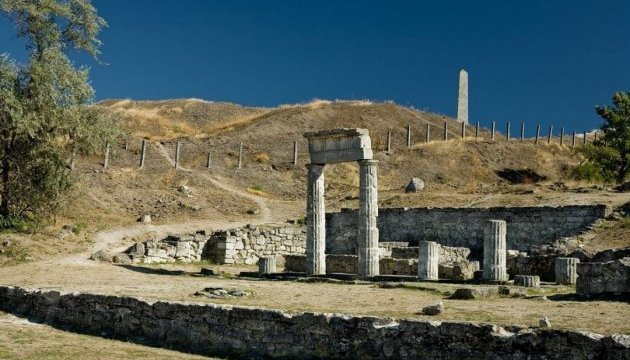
column 463, row 130
column 507, row 131
column 177, row 148
column 595, row 136
column 494, row 128
column 428, row 136
column 550, row 134
column 209, row 161
column 295, row 153
column 445, row 131
column 240, row 154
column 562, row 135
column 143, row 152
column 573, row 141
column 409, row 136
column 389, row 142
column 584, row 143
column 106, row 161
column 477, row 130
column 522, row 131
column 537, row 134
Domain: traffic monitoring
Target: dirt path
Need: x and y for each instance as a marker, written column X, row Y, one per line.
column 117, row 240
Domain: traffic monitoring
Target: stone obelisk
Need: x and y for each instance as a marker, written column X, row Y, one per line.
column 462, row 99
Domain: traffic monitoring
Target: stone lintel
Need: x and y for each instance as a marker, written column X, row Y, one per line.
column 339, row 145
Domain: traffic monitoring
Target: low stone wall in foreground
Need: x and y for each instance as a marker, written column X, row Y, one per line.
column 223, row 330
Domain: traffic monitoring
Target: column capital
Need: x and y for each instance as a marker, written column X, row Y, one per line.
column 368, row 162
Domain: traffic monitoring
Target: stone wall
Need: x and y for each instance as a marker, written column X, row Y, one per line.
column 612, row 277
column 347, row 264
column 541, row 265
column 463, row 227
column 242, row 332
column 448, row 254
column 235, row 246
column 245, row 245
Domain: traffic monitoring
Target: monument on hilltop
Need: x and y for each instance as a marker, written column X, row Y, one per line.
column 462, row 99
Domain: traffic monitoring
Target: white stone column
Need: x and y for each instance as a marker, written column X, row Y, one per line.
column 494, row 251
column 367, row 235
column 428, row 258
column 267, row 265
column 462, row 99
column 566, row 270
column 315, row 221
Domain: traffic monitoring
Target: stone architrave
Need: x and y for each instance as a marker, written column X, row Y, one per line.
column 494, row 251
column 367, row 236
column 428, row 260
column 462, row 100
column 339, row 145
column 315, row 222
column 566, row 270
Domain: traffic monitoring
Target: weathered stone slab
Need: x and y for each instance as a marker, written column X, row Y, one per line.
column 612, row 277
column 339, row 145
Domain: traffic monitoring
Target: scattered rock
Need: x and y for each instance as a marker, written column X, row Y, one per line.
column 145, row 219
column 65, row 231
column 510, row 254
column 416, row 184
column 625, row 187
column 183, row 189
column 101, row 255
column 253, row 211
column 122, row 259
column 206, row 271
column 432, row 310
column 521, row 176
column 474, row 293
column 6, row 243
column 220, row 293
column 544, row 323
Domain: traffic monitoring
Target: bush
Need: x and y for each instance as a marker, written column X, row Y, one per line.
column 587, row 171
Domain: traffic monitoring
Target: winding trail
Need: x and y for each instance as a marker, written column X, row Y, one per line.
column 112, row 240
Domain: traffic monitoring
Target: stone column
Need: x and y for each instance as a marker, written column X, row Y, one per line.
column 462, row 99
column 527, row 280
column 566, row 270
column 428, row 258
column 367, row 236
column 315, row 221
column 494, row 251
column 267, row 265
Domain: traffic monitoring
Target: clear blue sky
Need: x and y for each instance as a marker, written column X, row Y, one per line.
column 544, row 61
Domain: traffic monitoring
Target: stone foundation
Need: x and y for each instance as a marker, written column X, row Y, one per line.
column 463, row 227
column 611, row 277
column 347, row 264
column 235, row 246
column 242, row 332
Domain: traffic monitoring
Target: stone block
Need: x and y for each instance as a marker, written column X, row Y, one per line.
column 527, row 280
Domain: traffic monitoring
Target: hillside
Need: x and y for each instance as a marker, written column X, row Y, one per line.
column 267, row 135
column 270, row 188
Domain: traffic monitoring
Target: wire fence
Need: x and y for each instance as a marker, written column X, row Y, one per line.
column 425, row 135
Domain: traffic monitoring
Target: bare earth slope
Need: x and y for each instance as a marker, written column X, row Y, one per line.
column 456, row 172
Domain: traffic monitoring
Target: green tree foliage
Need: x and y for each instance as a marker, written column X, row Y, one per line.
column 45, row 113
column 609, row 157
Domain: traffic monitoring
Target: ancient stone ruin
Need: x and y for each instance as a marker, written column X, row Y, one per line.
column 336, row 146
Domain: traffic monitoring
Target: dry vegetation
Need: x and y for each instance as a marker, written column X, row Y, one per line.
column 20, row 339
column 456, row 173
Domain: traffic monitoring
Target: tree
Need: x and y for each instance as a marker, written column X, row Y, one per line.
column 45, row 112
column 611, row 154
